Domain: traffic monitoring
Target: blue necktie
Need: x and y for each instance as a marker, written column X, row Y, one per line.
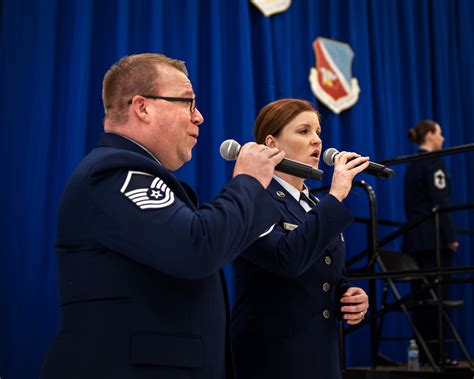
column 308, row 201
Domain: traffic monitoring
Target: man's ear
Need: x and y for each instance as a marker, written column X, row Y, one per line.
column 139, row 107
column 271, row 141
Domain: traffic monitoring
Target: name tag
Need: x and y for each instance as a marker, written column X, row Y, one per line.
column 288, row 226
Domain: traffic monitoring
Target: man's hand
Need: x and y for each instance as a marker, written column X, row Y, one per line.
column 258, row 161
column 346, row 166
column 355, row 303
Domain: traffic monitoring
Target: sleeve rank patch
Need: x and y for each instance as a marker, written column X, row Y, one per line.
column 439, row 179
column 138, row 189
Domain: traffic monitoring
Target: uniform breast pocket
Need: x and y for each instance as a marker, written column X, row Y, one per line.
column 166, row 350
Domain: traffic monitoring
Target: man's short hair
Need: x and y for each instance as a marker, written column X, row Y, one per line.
column 132, row 75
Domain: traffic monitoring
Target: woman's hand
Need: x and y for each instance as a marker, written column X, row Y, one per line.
column 355, row 303
column 346, row 166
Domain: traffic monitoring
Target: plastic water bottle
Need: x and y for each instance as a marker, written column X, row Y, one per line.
column 413, row 356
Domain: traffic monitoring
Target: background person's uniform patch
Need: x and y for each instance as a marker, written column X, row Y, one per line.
column 146, row 191
column 439, row 179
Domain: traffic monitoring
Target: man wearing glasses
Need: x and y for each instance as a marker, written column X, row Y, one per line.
column 140, row 263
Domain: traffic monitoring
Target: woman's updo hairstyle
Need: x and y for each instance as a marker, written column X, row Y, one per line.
column 418, row 133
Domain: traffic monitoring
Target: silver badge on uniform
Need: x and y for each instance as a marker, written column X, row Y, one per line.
column 155, row 195
column 280, row 193
column 439, row 179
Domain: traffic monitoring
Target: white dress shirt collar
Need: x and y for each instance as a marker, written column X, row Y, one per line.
column 293, row 191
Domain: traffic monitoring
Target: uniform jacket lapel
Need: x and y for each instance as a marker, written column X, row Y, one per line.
column 288, row 201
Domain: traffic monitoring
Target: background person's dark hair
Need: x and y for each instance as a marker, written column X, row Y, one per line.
column 422, row 128
column 274, row 116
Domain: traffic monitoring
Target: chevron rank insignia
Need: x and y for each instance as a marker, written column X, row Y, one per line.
column 439, row 179
column 146, row 191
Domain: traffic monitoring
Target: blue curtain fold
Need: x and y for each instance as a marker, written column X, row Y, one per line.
column 413, row 60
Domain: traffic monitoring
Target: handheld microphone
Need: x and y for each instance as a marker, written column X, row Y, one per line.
column 230, row 150
column 375, row 169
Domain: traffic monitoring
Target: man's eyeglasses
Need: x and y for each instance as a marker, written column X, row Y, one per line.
column 190, row 100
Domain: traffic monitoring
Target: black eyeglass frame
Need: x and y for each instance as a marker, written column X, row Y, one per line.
column 190, row 100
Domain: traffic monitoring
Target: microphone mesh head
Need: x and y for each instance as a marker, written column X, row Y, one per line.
column 328, row 156
column 229, row 149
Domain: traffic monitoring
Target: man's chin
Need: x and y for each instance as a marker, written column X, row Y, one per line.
column 188, row 157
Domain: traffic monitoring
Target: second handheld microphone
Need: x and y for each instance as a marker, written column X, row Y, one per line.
column 230, row 150
column 373, row 169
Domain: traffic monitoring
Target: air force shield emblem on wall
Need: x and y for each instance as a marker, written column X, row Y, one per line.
column 331, row 81
column 271, row 7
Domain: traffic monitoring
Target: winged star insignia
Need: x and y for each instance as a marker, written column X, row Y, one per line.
column 146, row 195
column 280, row 193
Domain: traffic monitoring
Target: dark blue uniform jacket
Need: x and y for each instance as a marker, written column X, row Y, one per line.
column 427, row 184
column 141, row 288
column 288, row 286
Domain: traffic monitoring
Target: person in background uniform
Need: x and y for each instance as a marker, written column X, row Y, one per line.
column 291, row 284
column 427, row 184
column 140, row 263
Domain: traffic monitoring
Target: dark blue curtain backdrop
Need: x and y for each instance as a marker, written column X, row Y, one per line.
column 413, row 59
